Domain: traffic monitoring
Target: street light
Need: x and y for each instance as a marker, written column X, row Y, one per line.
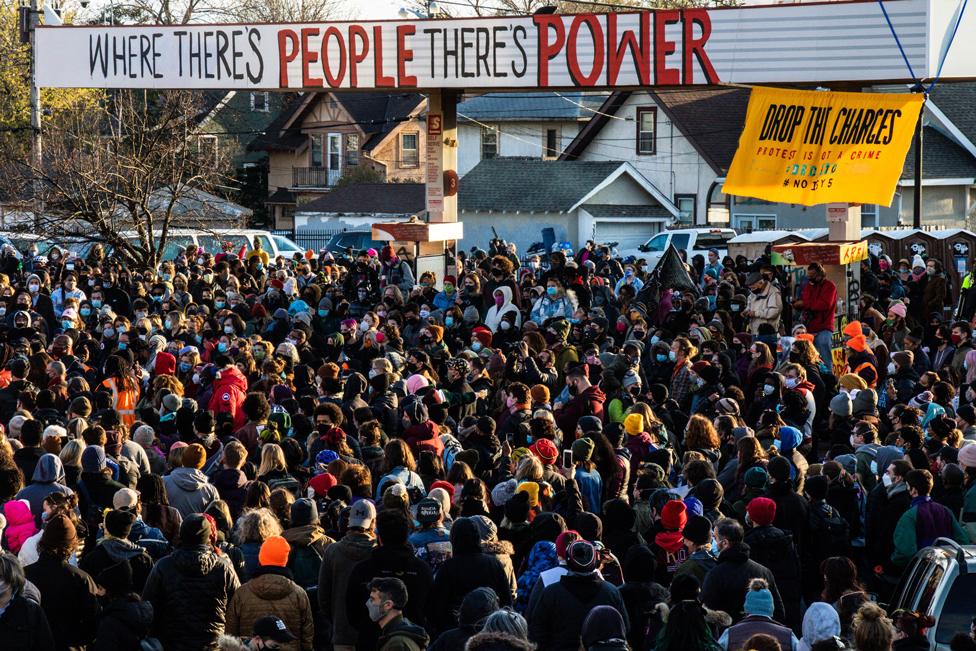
column 433, row 9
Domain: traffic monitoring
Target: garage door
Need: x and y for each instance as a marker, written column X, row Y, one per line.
column 629, row 234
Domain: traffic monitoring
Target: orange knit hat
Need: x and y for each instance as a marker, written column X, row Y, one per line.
column 274, row 552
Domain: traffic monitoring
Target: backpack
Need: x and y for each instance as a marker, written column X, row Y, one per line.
column 289, row 483
column 451, row 448
column 304, row 563
column 828, row 526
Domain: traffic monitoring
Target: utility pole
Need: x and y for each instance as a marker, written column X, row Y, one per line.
column 917, row 204
column 29, row 19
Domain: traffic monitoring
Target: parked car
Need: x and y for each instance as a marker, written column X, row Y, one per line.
column 356, row 240
column 940, row 581
column 213, row 241
column 693, row 241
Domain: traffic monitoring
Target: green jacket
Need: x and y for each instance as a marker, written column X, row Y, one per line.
column 906, row 539
column 400, row 635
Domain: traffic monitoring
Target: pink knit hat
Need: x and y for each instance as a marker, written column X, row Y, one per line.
column 415, row 383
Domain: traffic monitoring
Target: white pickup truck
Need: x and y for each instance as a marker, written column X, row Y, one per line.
column 693, row 241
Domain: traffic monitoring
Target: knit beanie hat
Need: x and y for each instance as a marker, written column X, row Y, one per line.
column 59, row 533
column 93, row 459
column 546, row 451
column 274, row 552
column 967, row 456
column 583, row 449
column 194, row 456
column 634, row 424
column 603, row 623
column 756, row 477
column 762, row 511
column 865, row 403
column 840, row 405
column 779, row 468
column 852, row 382
column 674, row 515
column 539, row 393
column 698, row 530
column 195, row 530
column 304, row 512
column 589, row 424
column 816, row 487
column 503, row 492
column 759, row 602
column 119, row 523
column 517, row 508
column 581, row 557
column 564, row 540
column 531, row 488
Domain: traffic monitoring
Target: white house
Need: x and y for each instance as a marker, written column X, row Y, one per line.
column 578, row 200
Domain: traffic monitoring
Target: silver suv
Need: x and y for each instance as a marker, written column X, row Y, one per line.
column 940, row 581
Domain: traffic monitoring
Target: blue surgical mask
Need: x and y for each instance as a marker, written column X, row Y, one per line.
column 323, row 313
column 67, row 325
column 449, row 321
column 86, row 312
column 123, row 345
column 552, row 291
column 222, row 347
column 655, row 339
column 185, row 366
column 476, row 346
column 96, row 303
column 711, row 301
column 661, row 358
column 219, row 304
column 672, row 356
column 109, row 332
column 259, row 266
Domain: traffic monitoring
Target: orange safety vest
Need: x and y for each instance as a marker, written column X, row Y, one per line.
column 124, row 401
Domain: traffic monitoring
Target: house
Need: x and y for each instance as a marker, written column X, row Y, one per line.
column 521, row 124
column 356, row 206
column 518, row 198
column 318, row 138
column 683, row 141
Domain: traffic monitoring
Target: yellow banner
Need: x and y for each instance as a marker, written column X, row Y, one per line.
column 811, row 147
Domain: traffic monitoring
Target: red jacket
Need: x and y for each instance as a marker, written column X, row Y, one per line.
column 229, row 391
column 819, row 304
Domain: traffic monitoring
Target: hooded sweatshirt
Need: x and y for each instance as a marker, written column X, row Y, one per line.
column 188, row 491
column 820, row 622
column 48, row 478
column 229, row 391
column 494, row 316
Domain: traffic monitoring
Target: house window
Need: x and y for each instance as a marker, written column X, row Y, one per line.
column 749, row 223
column 489, row 142
column 335, row 151
column 259, row 102
column 207, row 146
column 686, row 207
column 315, row 150
column 869, row 215
column 550, row 148
column 410, row 150
column 352, row 149
column 646, row 131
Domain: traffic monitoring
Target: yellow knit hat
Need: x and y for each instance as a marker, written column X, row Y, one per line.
column 634, row 424
column 532, row 489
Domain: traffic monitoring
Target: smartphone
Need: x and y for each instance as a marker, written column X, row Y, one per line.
column 567, row 458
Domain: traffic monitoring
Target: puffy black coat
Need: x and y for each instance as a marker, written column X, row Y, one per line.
column 791, row 513
column 24, row 627
column 189, row 591
column 773, row 548
column 557, row 618
column 725, row 584
column 123, row 624
column 384, row 408
column 110, row 551
column 68, row 599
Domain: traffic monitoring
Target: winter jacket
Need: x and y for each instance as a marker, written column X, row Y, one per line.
column 424, row 436
column 541, row 558
column 68, row 599
column 725, row 585
column 401, row 635
column 189, row 491
column 229, row 391
column 697, row 564
column 549, row 308
column 557, row 618
column 736, row 636
column 124, row 623
column 885, row 506
column 272, row 592
column 408, row 478
column 588, row 403
column 189, row 591
column 819, row 304
column 773, row 548
column 27, row 458
column 308, row 545
column 338, row 563
column 399, row 562
column 494, row 316
column 111, row 551
column 791, row 513
column 231, row 485
column 149, row 538
column 24, row 626
column 20, row 524
column 641, row 600
column 467, row 569
column 48, row 478
column 765, row 308
column 920, row 525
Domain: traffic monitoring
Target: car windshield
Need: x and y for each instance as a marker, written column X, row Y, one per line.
column 657, row 243
column 957, row 612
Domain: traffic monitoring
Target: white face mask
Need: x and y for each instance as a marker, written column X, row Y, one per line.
column 364, row 326
column 891, row 368
column 768, row 389
column 886, row 480
column 791, row 382
column 504, row 325
column 228, row 330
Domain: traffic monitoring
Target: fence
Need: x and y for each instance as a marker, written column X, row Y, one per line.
column 314, row 240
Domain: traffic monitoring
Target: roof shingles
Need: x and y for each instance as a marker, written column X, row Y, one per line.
column 376, row 198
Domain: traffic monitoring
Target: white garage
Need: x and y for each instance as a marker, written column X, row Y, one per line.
column 629, row 226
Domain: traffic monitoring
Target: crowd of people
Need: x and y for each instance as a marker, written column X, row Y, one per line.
column 564, row 452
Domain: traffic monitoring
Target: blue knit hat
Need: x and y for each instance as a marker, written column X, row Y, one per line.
column 759, row 602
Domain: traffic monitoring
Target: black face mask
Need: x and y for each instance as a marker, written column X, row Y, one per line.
column 573, row 389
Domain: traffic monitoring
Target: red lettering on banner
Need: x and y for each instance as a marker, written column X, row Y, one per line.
column 404, row 55
column 641, row 54
column 356, row 56
column 692, row 46
column 334, row 80
column 309, row 56
column 663, row 75
column 572, row 57
column 286, row 54
column 380, row 80
column 547, row 51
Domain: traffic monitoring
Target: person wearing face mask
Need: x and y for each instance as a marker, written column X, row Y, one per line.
column 502, row 304
column 555, row 302
column 818, row 302
column 629, row 278
column 764, row 305
column 447, row 297
column 40, row 302
column 114, row 296
column 924, row 522
column 387, row 599
column 68, row 289
column 586, row 399
column 682, row 379
column 500, row 274
column 886, row 503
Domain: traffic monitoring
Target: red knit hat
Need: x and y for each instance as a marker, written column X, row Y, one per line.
column 564, row 540
column 450, row 280
column 762, row 511
column 483, row 335
column 322, row 483
column 546, row 451
column 674, row 515
column 446, row 485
